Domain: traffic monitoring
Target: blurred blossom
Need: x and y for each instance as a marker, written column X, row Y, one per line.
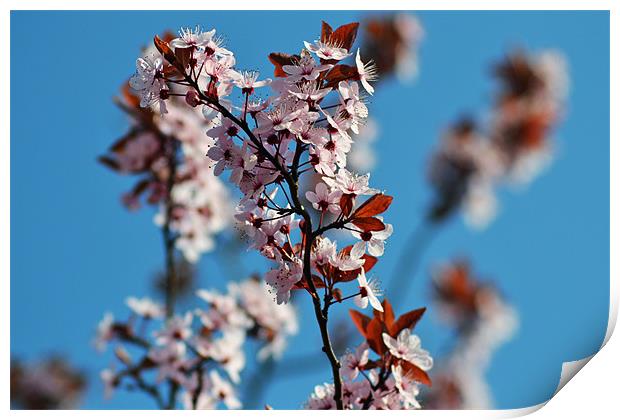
column 159, row 146
column 47, row 384
column 533, row 90
column 392, row 41
column 462, row 171
column 482, row 321
column 473, row 160
column 179, row 349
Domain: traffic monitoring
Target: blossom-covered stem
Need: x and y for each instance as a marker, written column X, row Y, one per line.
column 310, row 235
column 168, row 236
column 322, row 316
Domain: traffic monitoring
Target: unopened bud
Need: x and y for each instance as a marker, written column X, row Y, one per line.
column 192, row 98
column 122, row 355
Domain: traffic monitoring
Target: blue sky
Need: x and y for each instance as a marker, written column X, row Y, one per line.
column 75, row 252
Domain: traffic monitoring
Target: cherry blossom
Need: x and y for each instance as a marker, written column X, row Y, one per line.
column 145, row 307
column 368, row 293
column 408, row 347
column 375, row 241
column 353, row 363
column 366, row 72
column 271, row 148
column 326, row 51
column 192, row 38
column 324, row 199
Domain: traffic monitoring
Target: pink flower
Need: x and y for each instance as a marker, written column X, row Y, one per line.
column 353, row 363
column 223, row 390
column 407, row 387
column 367, row 72
column 375, row 241
column 327, row 51
column 149, row 83
column 306, row 69
column 309, row 91
column 350, row 183
column 282, row 279
column 178, row 328
column 324, row 199
column 145, row 307
column 356, row 109
column 324, row 252
column 368, row 293
column 407, row 346
column 192, row 38
column 248, row 81
column 242, row 165
column 223, row 152
column 105, row 332
column 308, row 133
column 350, row 262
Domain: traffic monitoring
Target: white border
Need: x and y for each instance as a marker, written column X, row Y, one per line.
column 594, row 393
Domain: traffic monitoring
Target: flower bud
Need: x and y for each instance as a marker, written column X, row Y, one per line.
column 192, row 98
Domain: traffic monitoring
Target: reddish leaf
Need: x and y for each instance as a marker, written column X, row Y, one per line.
column 360, row 320
column 183, row 56
column 326, row 31
column 346, row 204
column 406, row 320
column 345, row 35
column 369, row 262
column 415, row 373
column 165, row 50
column 374, row 332
column 388, row 313
column 282, row 59
column 339, row 73
column 368, row 224
column 131, row 99
column 376, row 204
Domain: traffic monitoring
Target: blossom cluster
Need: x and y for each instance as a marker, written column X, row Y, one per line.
column 482, row 321
column 393, row 380
column 201, row 352
column 47, row 384
column 266, row 160
column 266, row 145
column 167, row 151
column 515, row 145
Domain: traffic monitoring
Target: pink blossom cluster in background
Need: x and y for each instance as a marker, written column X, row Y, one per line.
column 201, row 352
column 474, row 159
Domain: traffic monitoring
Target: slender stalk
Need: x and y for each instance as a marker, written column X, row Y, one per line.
column 409, row 260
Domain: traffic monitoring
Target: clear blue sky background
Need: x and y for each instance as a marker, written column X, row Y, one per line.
column 75, row 252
